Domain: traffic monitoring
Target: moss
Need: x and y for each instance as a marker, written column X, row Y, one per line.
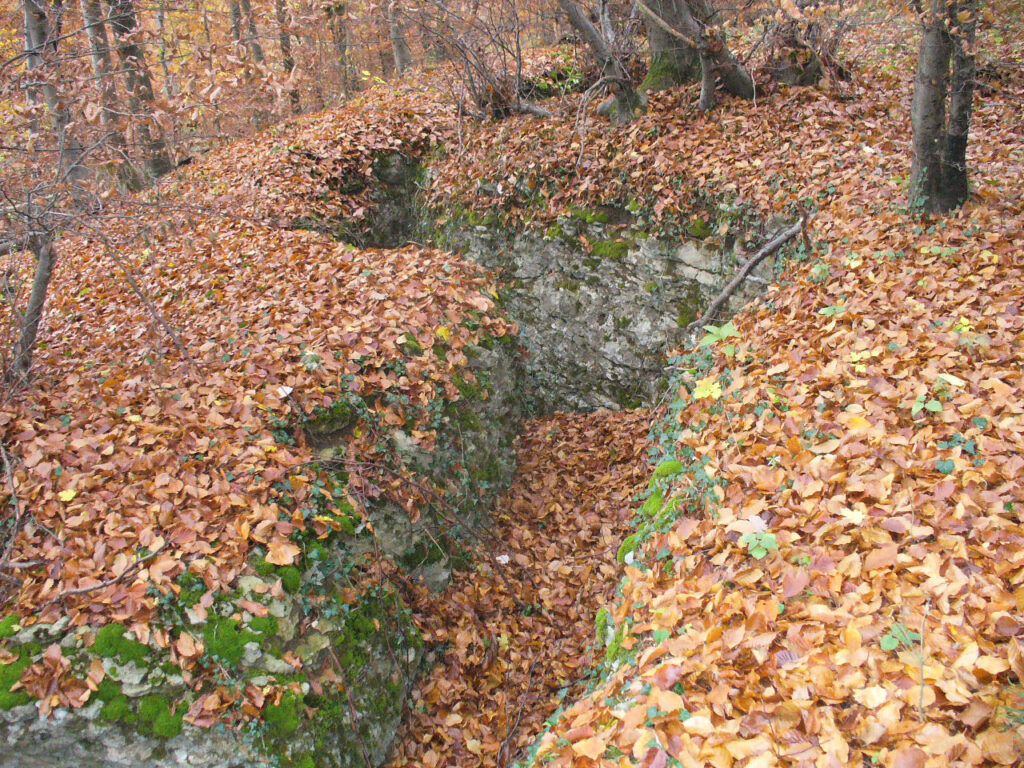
column 267, row 626
column 111, row 642
column 151, row 706
column 108, row 640
column 168, row 724
column 410, row 346
column 470, row 390
column 8, row 626
column 108, row 689
column 615, row 250
column 488, row 472
column 340, row 416
column 156, row 715
column 305, row 760
column 423, row 553
column 699, row 228
column 225, row 640
column 10, row 674
column 117, row 709
column 689, row 307
column 291, row 578
column 628, row 399
column 668, row 71
column 589, row 216
column 283, row 717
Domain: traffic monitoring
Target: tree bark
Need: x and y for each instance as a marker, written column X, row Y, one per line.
column 337, row 20
column 236, row 20
column 955, row 188
column 673, row 62
column 928, row 110
column 123, row 21
column 691, row 27
column 252, row 37
column 626, row 100
column 287, row 58
column 99, row 53
column 41, row 245
column 735, row 79
column 399, row 45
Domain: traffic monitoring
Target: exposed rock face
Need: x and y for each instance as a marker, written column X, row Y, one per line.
column 598, row 321
column 77, row 738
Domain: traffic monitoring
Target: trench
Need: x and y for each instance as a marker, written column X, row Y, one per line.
column 508, row 601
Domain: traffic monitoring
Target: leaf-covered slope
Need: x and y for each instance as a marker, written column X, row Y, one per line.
column 121, row 447
column 850, row 589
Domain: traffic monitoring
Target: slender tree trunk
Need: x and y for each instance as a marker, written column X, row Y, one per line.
column 673, row 62
column 161, row 28
column 955, row 187
column 41, row 245
column 40, row 42
column 287, row 58
column 928, row 110
column 626, row 101
column 236, row 20
column 252, row 36
column 99, row 52
column 714, row 51
column 140, row 87
column 399, row 45
column 337, row 20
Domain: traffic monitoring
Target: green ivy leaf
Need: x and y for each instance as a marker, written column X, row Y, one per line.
column 945, row 466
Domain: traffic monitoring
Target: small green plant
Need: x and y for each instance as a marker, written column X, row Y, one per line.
column 719, row 333
column 899, row 636
column 832, row 311
column 759, row 544
column 923, row 403
column 820, row 272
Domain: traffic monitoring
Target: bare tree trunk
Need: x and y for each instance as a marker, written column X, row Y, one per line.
column 161, row 24
column 673, row 62
column 40, row 41
column 955, row 188
column 337, row 20
column 627, row 103
column 928, row 110
column 99, row 52
column 399, row 45
column 287, row 58
column 41, row 245
column 236, row 20
column 252, row 37
column 140, row 87
column 717, row 61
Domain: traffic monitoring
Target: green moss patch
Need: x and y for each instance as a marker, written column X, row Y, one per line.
column 615, row 250
column 283, row 717
column 10, row 674
column 225, row 640
column 111, row 643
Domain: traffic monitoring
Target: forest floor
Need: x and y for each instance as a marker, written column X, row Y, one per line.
column 825, row 568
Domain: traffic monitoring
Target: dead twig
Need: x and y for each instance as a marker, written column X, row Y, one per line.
column 129, row 571
column 766, row 250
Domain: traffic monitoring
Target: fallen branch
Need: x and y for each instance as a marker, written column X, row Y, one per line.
column 767, row 250
column 129, row 571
